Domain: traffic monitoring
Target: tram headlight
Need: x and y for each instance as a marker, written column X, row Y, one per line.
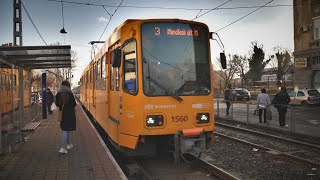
column 203, row 118
column 154, row 120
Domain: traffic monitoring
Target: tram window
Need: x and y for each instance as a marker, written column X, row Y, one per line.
column 103, row 72
column 130, row 68
column 90, row 78
column 14, row 81
column 98, row 74
column 111, row 77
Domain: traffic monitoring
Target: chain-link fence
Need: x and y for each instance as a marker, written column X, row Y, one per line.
column 300, row 119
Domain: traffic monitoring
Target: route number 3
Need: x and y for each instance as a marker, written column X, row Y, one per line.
column 157, row 31
column 179, row 118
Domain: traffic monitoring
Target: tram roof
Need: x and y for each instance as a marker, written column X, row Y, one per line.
column 37, row 57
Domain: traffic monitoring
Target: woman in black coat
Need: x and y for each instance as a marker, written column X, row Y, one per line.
column 282, row 101
column 66, row 103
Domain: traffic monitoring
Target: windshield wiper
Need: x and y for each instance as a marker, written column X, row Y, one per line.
column 164, row 89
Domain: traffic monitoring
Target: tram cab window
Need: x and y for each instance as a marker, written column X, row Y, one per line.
column 130, row 68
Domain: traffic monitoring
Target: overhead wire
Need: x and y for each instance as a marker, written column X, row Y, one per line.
column 211, row 10
column 244, row 16
column 110, row 19
column 34, row 25
column 174, row 8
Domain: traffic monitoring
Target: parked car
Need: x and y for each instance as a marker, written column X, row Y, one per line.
column 304, row 97
column 239, row 94
column 36, row 97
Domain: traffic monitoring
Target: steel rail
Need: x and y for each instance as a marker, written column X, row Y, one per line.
column 216, row 171
column 269, row 135
column 276, row 152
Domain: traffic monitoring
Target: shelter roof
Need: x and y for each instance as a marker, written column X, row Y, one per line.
column 37, row 57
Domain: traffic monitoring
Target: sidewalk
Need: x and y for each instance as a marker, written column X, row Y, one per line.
column 38, row 158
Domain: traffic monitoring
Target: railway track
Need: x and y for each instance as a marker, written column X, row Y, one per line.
column 287, row 148
column 163, row 166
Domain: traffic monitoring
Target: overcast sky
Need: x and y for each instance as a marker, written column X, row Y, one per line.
column 270, row 26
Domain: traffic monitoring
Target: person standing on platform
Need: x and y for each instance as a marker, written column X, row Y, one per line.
column 227, row 98
column 50, row 100
column 66, row 103
column 263, row 103
column 282, row 100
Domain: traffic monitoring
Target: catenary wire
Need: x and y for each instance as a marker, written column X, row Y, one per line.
column 175, row 8
column 25, row 9
column 110, row 19
column 244, row 16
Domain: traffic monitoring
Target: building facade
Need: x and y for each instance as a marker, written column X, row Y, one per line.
column 307, row 43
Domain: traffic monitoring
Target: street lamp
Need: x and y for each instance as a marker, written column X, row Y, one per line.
column 62, row 31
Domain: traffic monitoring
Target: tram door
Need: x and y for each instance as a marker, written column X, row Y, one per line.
column 93, row 111
column 114, row 102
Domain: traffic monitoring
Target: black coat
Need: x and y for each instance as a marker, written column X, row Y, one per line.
column 68, row 122
column 283, row 100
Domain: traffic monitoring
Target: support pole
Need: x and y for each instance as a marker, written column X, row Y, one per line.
column 44, row 95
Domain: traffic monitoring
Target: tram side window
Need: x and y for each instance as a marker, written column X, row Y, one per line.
column 111, row 77
column 103, row 72
column 98, row 74
column 130, row 68
column 87, row 77
column 90, row 76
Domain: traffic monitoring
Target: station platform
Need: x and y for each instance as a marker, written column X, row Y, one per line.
column 37, row 157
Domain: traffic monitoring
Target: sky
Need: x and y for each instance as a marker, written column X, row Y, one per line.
column 269, row 26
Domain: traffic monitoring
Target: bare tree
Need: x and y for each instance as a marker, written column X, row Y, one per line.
column 282, row 63
column 228, row 74
column 240, row 63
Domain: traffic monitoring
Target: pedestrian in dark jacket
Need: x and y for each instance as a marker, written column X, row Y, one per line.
column 227, row 98
column 282, row 100
column 66, row 103
column 50, row 100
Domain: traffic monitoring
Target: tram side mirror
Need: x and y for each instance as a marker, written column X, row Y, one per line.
column 116, row 57
column 79, row 83
column 223, row 61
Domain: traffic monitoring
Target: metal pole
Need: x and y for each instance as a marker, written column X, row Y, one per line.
column 268, row 84
column 218, row 107
column 247, row 112
column 21, row 98
column 44, row 96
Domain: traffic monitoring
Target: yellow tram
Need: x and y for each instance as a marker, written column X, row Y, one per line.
column 150, row 88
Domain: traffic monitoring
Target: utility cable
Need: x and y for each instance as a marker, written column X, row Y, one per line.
column 110, row 19
column 25, row 9
column 212, row 9
column 244, row 16
column 174, row 8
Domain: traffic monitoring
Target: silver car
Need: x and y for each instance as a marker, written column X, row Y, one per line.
column 304, row 97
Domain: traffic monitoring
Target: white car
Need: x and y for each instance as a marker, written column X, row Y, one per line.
column 304, row 97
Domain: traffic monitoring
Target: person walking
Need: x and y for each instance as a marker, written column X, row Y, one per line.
column 66, row 103
column 263, row 103
column 50, row 100
column 282, row 100
column 227, row 98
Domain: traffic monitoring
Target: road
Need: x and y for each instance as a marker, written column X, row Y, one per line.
column 302, row 119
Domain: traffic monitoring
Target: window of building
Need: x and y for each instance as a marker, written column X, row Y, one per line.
column 316, row 28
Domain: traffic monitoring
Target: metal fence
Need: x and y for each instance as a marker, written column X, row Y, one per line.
column 300, row 119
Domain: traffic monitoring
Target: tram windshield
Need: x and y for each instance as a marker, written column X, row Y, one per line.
column 176, row 56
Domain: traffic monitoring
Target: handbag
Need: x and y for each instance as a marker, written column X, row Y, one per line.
column 256, row 112
column 269, row 114
column 60, row 114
